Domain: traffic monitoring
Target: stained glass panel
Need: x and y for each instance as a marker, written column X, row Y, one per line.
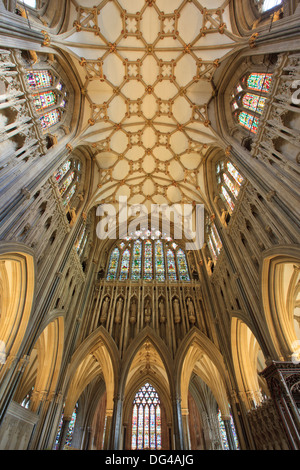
column 223, row 433
column 235, row 174
column 159, row 261
column 63, row 170
column 44, row 100
column 136, row 261
column 260, row 82
column 71, row 427
column 231, row 186
column 216, row 238
column 182, row 266
column 50, row 119
column 228, row 199
column 171, row 265
column 254, row 102
column 148, row 261
column 39, row 79
column 125, row 264
column 146, row 420
column 113, row 265
column 248, row 121
column 66, row 183
column 69, row 195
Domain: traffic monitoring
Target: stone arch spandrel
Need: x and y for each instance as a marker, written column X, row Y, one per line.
column 147, row 335
column 279, row 276
column 97, row 355
column 198, row 354
column 18, row 279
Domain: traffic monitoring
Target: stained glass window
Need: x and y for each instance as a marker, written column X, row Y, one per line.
column 171, row 265
column 136, row 261
column 50, row 119
column 148, row 261
column 248, row 121
column 214, row 241
column 254, row 102
column 125, row 264
column 260, row 82
column 159, row 261
column 182, row 266
column 63, row 170
column 113, row 265
column 66, row 183
column 234, row 173
column 69, row 195
column 228, row 199
column 70, row 432
column 223, row 433
column 146, row 420
column 39, row 79
column 268, row 4
column 231, row 186
column 44, row 100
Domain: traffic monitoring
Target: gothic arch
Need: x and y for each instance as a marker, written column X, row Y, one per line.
column 195, row 348
column 41, row 374
column 279, row 278
column 147, row 335
column 97, row 355
column 248, row 362
column 17, row 280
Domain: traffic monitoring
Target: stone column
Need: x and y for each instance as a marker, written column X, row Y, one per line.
column 109, row 416
column 177, row 424
column 229, row 433
column 116, row 423
column 186, row 429
column 63, row 432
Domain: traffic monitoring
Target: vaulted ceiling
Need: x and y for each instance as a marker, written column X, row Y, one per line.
column 147, row 70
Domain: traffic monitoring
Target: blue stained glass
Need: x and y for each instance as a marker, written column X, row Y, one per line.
column 136, row 261
column 148, row 261
column 171, row 265
column 125, row 264
column 113, row 265
column 159, row 261
column 146, row 420
column 182, row 266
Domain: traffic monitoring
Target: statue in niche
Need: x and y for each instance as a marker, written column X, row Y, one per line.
column 147, row 312
column 119, row 310
column 210, row 266
column 191, row 311
column 162, row 318
column 177, row 315
column 133, row 310
column 104, row 310
column 162, row 313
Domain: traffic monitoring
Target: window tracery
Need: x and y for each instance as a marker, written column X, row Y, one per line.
column 49, row 97
column 266, row 5
column 148, row 259
column 67, row 178
column 229, row 182
column 249, row 99
column 146, row 420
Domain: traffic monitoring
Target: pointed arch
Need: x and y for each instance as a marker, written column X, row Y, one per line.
column 198, row 354
column 280, row 274
column 17, row 288
column 248, row 361
column 96, row 355
column 147, row 335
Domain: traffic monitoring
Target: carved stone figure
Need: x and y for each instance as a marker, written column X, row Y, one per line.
column 177, row 314
column 162, row 313
column 104, row 310
column 119, row 310
column 191, row 311
column 132, row 315
column 147, row 312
